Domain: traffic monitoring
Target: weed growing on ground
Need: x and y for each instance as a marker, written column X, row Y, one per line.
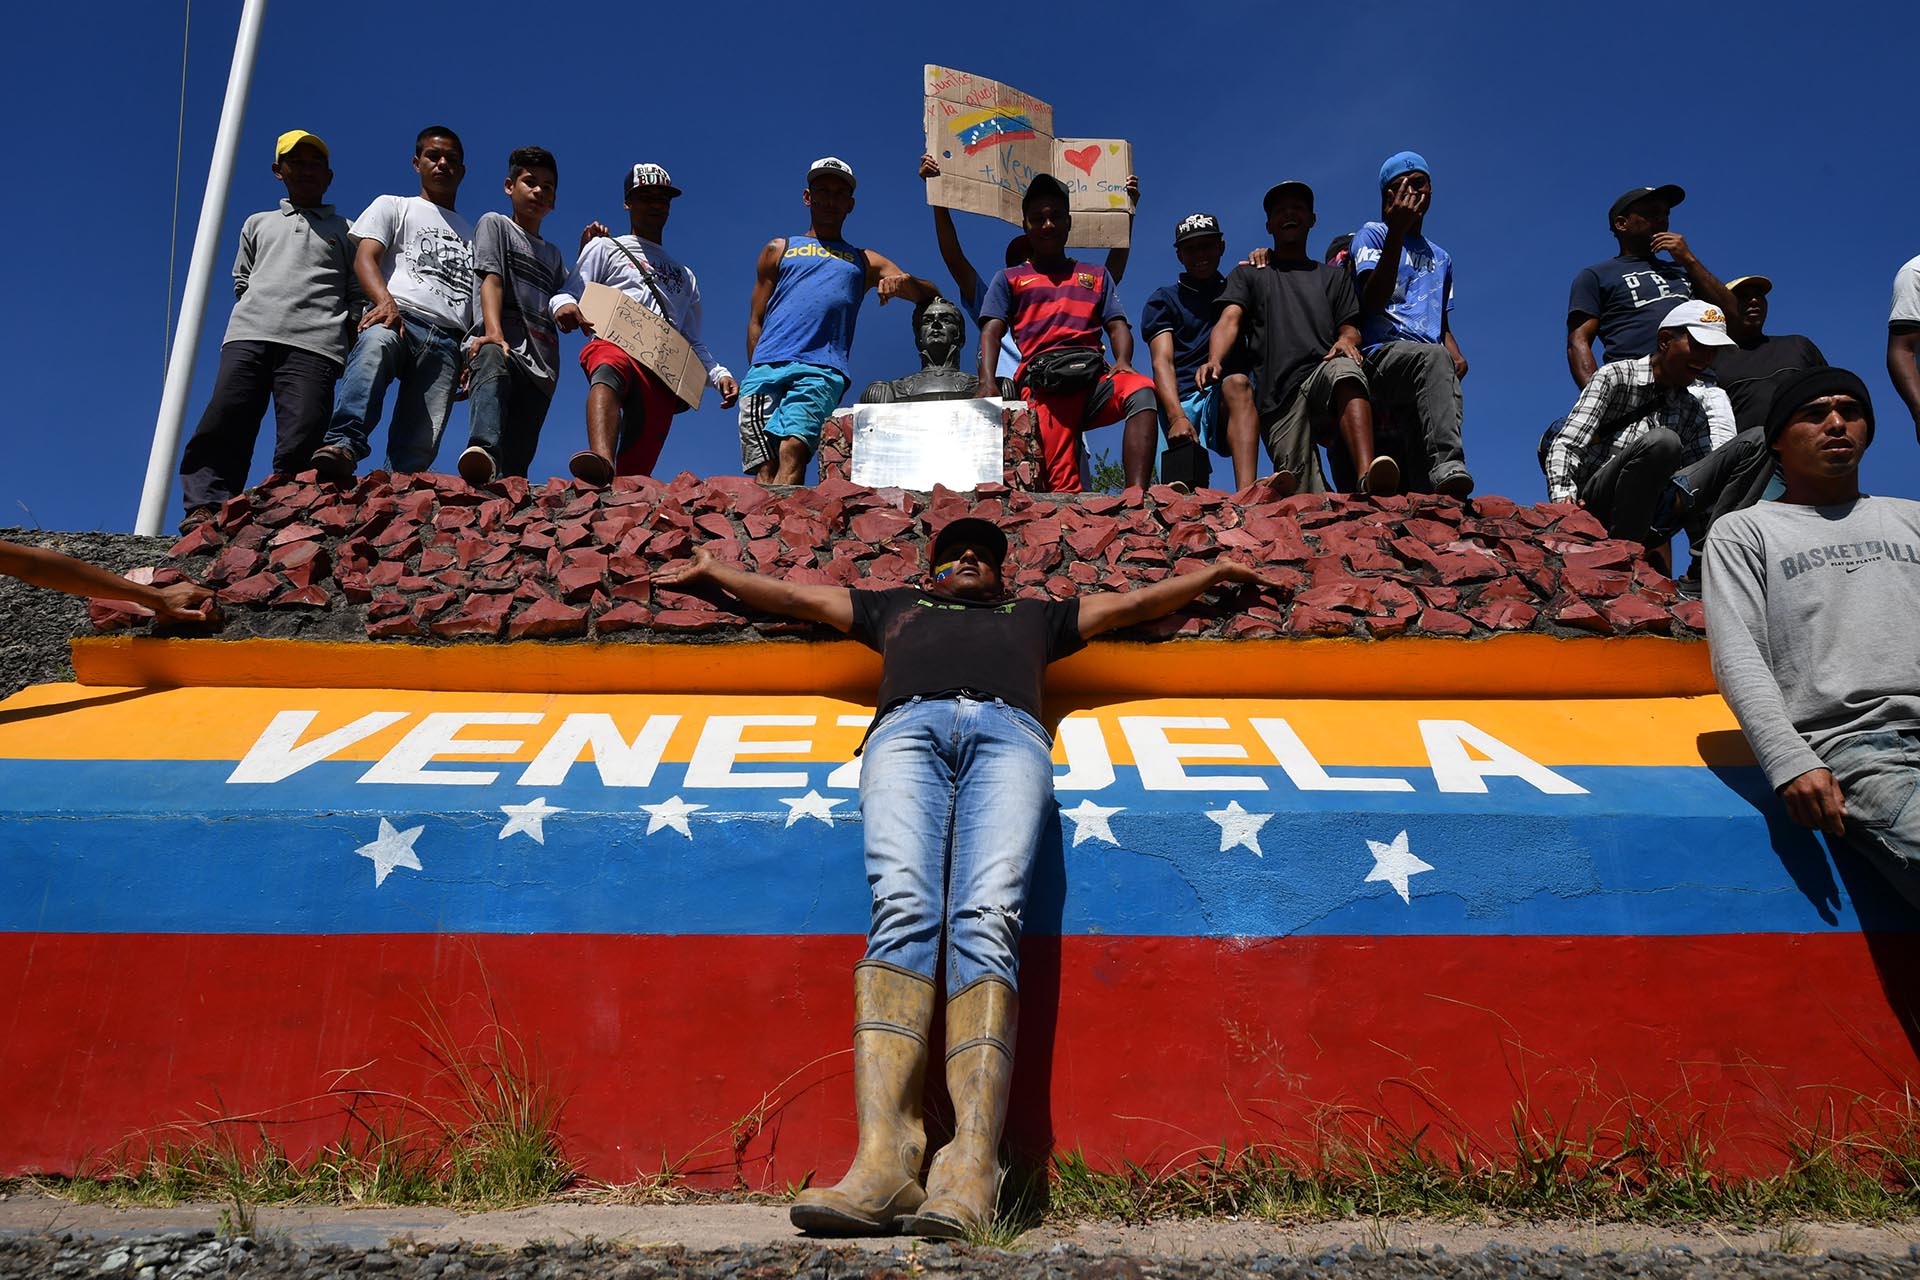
column 489, row 1139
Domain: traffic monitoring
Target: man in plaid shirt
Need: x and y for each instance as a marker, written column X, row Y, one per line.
column 1635, row 424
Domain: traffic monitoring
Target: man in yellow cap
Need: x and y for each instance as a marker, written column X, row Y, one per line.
column 287, row 338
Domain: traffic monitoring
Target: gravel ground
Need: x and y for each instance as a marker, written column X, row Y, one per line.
column 38, row 624
column 197, row 1254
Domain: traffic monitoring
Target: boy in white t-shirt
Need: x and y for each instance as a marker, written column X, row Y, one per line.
column 414, row 260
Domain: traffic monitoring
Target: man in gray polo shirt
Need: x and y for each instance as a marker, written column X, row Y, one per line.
column 287, row 338
column 1810, row 609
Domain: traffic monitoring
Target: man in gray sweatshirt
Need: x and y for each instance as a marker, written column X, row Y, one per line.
column 1811, row 602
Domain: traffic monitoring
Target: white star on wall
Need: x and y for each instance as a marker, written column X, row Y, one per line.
column 1394, row 863
column 671, row 812
column 526, row 818
column 1091, row 822
column 810, row 805
column 1238, row 827
column 393, row 849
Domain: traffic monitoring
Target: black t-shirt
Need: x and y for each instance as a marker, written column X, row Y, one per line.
column 1186, row 309
column 1746, row 372
column 1629, row 297
column 1293, row 312
column 930, row 644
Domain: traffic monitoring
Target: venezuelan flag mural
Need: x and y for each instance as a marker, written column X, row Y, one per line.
column 239, row 900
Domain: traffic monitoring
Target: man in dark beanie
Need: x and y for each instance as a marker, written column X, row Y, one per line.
column 1811, row 602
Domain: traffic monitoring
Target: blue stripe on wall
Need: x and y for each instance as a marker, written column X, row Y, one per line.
column 171, row 847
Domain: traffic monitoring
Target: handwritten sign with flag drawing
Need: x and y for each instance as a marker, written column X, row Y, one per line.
column 991, row 140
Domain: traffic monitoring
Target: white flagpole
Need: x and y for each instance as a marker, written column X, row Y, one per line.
column 193, row 303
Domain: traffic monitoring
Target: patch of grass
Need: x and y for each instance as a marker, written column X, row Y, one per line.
column 1633, row 1160
column 489, row 1138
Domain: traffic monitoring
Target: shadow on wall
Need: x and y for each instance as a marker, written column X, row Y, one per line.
column 1821, row 866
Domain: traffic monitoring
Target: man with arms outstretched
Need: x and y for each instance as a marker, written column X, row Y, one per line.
column 806, row 297
column 1810, row 609
column 955, row 790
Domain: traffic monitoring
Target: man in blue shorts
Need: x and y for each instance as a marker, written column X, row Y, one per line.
column 806, row 298
column 1178, row 324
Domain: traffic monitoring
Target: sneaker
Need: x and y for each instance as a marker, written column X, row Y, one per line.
column 589, row 467
column 334, row 463
column 1458, row 485
column 1382, row 479
column 1285, row 483
column 476, row 466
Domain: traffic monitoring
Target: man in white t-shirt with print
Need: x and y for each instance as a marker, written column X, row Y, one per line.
column 414, row 260
column 629, row 408
column 1903, row 338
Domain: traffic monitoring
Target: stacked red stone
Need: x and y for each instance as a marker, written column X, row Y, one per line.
column 420, row 557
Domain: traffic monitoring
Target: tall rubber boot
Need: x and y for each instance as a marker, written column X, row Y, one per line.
column 963, row 1187
column 892, row 1010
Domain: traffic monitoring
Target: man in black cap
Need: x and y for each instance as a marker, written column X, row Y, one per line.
column 1178, row 325
column 1623, row 300
column 955, row 791
column 1810, row 609
column 1304, row 322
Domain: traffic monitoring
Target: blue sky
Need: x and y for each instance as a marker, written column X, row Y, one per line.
column 1792, row 134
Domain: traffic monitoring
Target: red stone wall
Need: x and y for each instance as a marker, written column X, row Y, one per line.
column 427, row 557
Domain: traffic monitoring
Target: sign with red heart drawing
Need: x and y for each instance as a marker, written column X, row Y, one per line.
column 990, row 140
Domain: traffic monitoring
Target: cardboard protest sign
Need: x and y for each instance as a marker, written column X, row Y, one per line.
column 957, row 443
column 991, row 140
column 642, row 334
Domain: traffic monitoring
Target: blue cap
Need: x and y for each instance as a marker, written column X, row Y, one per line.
column 1402, row 162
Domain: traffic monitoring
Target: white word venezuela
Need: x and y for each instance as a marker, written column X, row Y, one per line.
column 436, row 752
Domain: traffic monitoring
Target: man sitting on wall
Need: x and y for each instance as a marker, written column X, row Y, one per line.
column 955, row 790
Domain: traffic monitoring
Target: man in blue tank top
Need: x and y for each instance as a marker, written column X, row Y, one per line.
column 806, row 297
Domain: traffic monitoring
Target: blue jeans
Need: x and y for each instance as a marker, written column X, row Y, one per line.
column 1879, row 774
column 954, row 796
column 426, row 361
column 506, row 407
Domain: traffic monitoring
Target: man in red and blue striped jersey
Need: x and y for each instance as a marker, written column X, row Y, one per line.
column 1058, row 309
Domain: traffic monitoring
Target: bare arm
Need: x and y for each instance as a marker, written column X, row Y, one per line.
column 1166, row 385
column 765, row 273
column 1453, row 348
column 1226, row 332
column 889, row 281
column 831, row 605
column 1706, row 285
column 992, row 329
column 1120, row 338
column 492, row 304
column 373, row 283
column 1580, row 361
column 1903, row 349
column 1110, row 610
column 1117, row 259
column 183, row 601
column 965, row 278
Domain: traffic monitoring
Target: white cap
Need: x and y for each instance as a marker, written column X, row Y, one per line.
column 831, row 164
column 1703, row 321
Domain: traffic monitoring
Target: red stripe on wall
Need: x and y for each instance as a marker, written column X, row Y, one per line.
column 727, row 1054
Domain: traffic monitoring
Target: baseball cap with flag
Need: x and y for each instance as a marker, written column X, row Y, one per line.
column 649, row 175
column 1703, row 321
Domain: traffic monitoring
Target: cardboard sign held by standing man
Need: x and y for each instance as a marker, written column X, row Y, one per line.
column 643, row 335
column 991, row 140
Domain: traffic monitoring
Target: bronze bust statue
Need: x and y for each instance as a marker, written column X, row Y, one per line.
column 940, row 332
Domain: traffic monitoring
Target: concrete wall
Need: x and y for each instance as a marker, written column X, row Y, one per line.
column 1417, row 882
